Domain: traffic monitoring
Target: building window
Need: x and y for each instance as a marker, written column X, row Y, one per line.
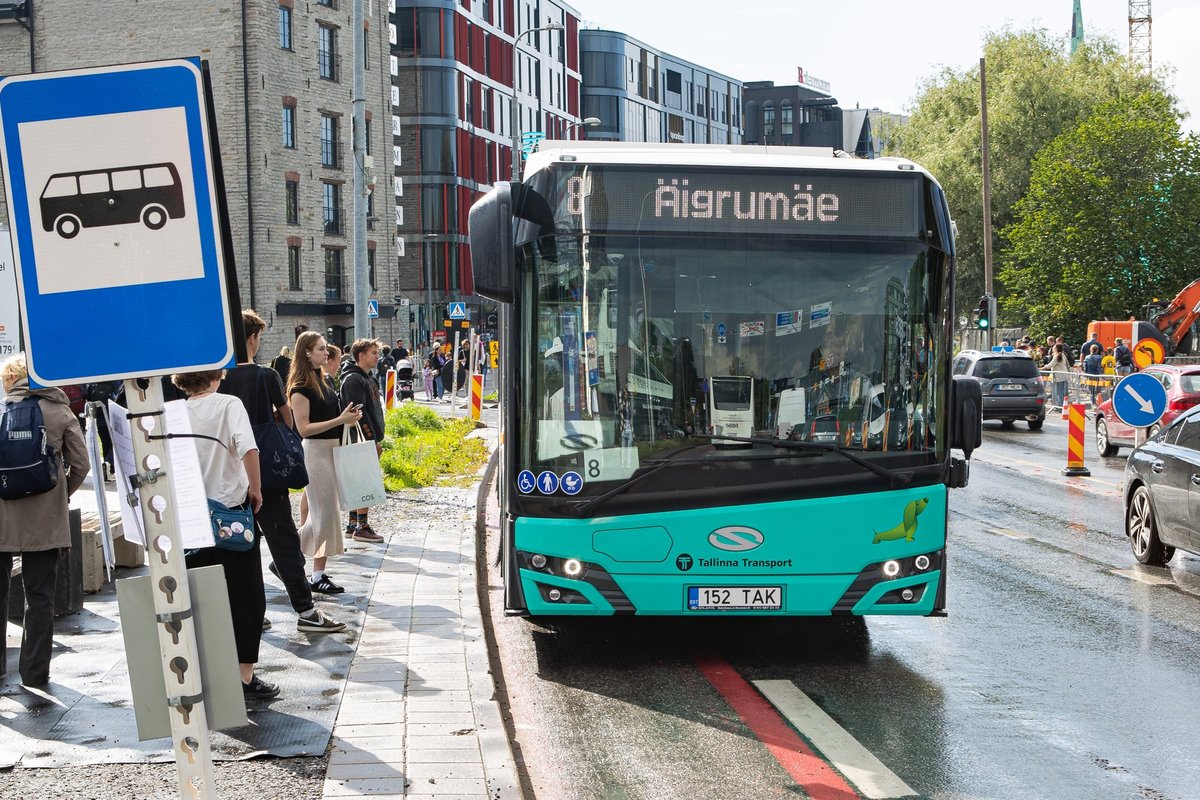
column 285, row 28
column 371, row 268
column 289, row 127
column 371, row 211
column 468, row 106
column 327, row 3
column 291, row 194
column 331, row 207
column 330, row 150
column 294, row 267
column 785, row 119
column 367, row 133
column 768, row 121
column 333, row 275
column 327, row 52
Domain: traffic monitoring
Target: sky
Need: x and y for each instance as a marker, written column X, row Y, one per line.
column 877, row 53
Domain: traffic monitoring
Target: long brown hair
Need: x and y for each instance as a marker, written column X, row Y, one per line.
column 302, row 372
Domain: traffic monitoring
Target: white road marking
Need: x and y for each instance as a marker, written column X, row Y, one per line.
column 1010, row 533
column 856, row 762
column 1143, row 577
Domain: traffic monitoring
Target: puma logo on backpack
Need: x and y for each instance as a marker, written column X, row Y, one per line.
column 28, row 465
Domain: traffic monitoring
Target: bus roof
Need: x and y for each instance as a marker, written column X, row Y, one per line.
column 709, row 155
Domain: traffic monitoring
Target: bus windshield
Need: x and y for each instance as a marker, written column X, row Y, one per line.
column 645, row 344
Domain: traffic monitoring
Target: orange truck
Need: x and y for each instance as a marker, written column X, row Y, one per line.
column 1171, row 329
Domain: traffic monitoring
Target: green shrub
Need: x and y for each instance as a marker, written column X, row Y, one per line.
column 422, row 448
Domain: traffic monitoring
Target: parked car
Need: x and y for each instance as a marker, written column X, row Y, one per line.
column 1011, row 383
column 1183, row 391
column 1162, row 492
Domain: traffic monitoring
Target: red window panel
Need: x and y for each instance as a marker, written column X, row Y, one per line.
column 463, row 168
column 477, row 48
column 460, row 38
column 573, row 97
column 572, row 43
column 508, row 16
column 465, row 4
column 480, row 159
column 464, row 260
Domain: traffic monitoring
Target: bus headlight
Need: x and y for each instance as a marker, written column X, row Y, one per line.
column 572, row 567
column 921, row 563
column 891, row 568
column 538, row 561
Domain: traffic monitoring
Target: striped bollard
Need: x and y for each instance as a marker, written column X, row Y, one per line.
column 1075, row 431
column 390, row 392
column 476, row 396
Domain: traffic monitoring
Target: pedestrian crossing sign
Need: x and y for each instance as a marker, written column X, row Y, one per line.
column 458, row 311
column 373, row 309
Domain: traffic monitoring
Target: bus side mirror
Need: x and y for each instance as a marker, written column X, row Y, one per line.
column 966, row 414
column 493, row 260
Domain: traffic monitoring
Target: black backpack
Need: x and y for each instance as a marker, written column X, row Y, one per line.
column 28, row 465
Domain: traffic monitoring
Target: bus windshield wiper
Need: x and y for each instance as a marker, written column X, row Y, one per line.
column 897, row 479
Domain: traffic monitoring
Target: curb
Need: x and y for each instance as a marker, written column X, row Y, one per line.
column 499, row 764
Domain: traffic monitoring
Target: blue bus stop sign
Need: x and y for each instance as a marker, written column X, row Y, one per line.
column 1139, row 400
column 113, row 206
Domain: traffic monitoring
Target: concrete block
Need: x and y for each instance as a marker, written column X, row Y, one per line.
column 91, row 552
column 127, row 554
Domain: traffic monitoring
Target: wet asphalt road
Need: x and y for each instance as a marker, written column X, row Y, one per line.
column 1055, row 676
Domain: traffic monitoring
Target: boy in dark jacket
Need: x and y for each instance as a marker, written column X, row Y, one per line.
column 359, row 388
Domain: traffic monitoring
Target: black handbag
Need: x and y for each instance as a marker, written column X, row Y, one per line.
column 280, row 450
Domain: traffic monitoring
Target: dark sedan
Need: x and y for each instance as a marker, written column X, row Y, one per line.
column 1162, row 492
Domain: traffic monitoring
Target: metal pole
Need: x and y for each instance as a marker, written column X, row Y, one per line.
column 362, row 285
column 454, row 377
column 516, row 133
column 172, row 596
column 987, row 199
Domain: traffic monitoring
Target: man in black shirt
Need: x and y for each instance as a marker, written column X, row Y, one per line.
column 358, row 388
column 261, row 391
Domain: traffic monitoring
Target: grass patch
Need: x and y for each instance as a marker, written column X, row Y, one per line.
column 422, row 448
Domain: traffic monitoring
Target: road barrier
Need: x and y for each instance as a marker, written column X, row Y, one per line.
column 476, row 396
column 390, row 393
column 1079, row 389
column 1075, row 437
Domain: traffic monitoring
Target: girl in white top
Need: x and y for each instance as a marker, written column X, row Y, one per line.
column 231, row 477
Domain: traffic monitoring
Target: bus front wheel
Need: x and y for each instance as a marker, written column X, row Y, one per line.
column 67, row 226
column 154, row 217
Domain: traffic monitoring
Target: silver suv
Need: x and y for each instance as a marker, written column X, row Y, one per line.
column 1011, row 384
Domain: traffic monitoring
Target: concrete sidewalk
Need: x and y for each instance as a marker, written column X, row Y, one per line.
column 418, row 716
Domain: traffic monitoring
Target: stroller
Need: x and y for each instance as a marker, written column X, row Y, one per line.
column 404, row 380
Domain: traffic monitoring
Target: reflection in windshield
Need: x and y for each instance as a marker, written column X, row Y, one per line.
column 642, row 341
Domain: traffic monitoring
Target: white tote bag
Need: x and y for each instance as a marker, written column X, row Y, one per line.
column 359, row 475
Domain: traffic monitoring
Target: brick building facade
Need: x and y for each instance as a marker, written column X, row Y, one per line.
column 281, row 80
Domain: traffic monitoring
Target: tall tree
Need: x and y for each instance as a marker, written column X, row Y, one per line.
column 1035, row 92
column 1109, row 220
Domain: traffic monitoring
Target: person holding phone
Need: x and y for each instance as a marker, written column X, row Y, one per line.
column 318, row 420
column 362, row 393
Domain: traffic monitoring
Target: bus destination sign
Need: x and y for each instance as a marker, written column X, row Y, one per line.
column 598, row 198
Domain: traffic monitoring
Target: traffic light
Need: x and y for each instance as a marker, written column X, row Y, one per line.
column 983, row 313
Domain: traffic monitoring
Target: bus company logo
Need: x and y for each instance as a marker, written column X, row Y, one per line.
column 907, row 529
column 735, row 538
column 684, row 562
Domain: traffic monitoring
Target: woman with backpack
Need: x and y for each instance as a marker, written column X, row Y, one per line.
column 36, row 526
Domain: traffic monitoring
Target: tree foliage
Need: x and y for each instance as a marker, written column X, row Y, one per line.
column 1035, row 92
column 1109, row 219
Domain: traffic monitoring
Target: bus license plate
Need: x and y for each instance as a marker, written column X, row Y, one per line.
column 735, row 598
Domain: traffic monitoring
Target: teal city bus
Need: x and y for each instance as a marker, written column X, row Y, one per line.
column 637, row 283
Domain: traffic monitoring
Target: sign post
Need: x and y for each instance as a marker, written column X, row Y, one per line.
column 112, row 185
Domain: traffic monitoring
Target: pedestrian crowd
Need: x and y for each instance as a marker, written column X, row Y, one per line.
column 241, row 419
column 1097, row 368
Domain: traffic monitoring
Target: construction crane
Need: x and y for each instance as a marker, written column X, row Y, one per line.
column 1139, row 34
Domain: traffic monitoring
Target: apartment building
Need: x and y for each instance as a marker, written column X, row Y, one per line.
column 281, row 81
column 454, row 73
column 641, row 94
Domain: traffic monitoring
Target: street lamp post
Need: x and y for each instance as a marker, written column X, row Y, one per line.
column 587, row 122
column 427, row 256
column 516, row 134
